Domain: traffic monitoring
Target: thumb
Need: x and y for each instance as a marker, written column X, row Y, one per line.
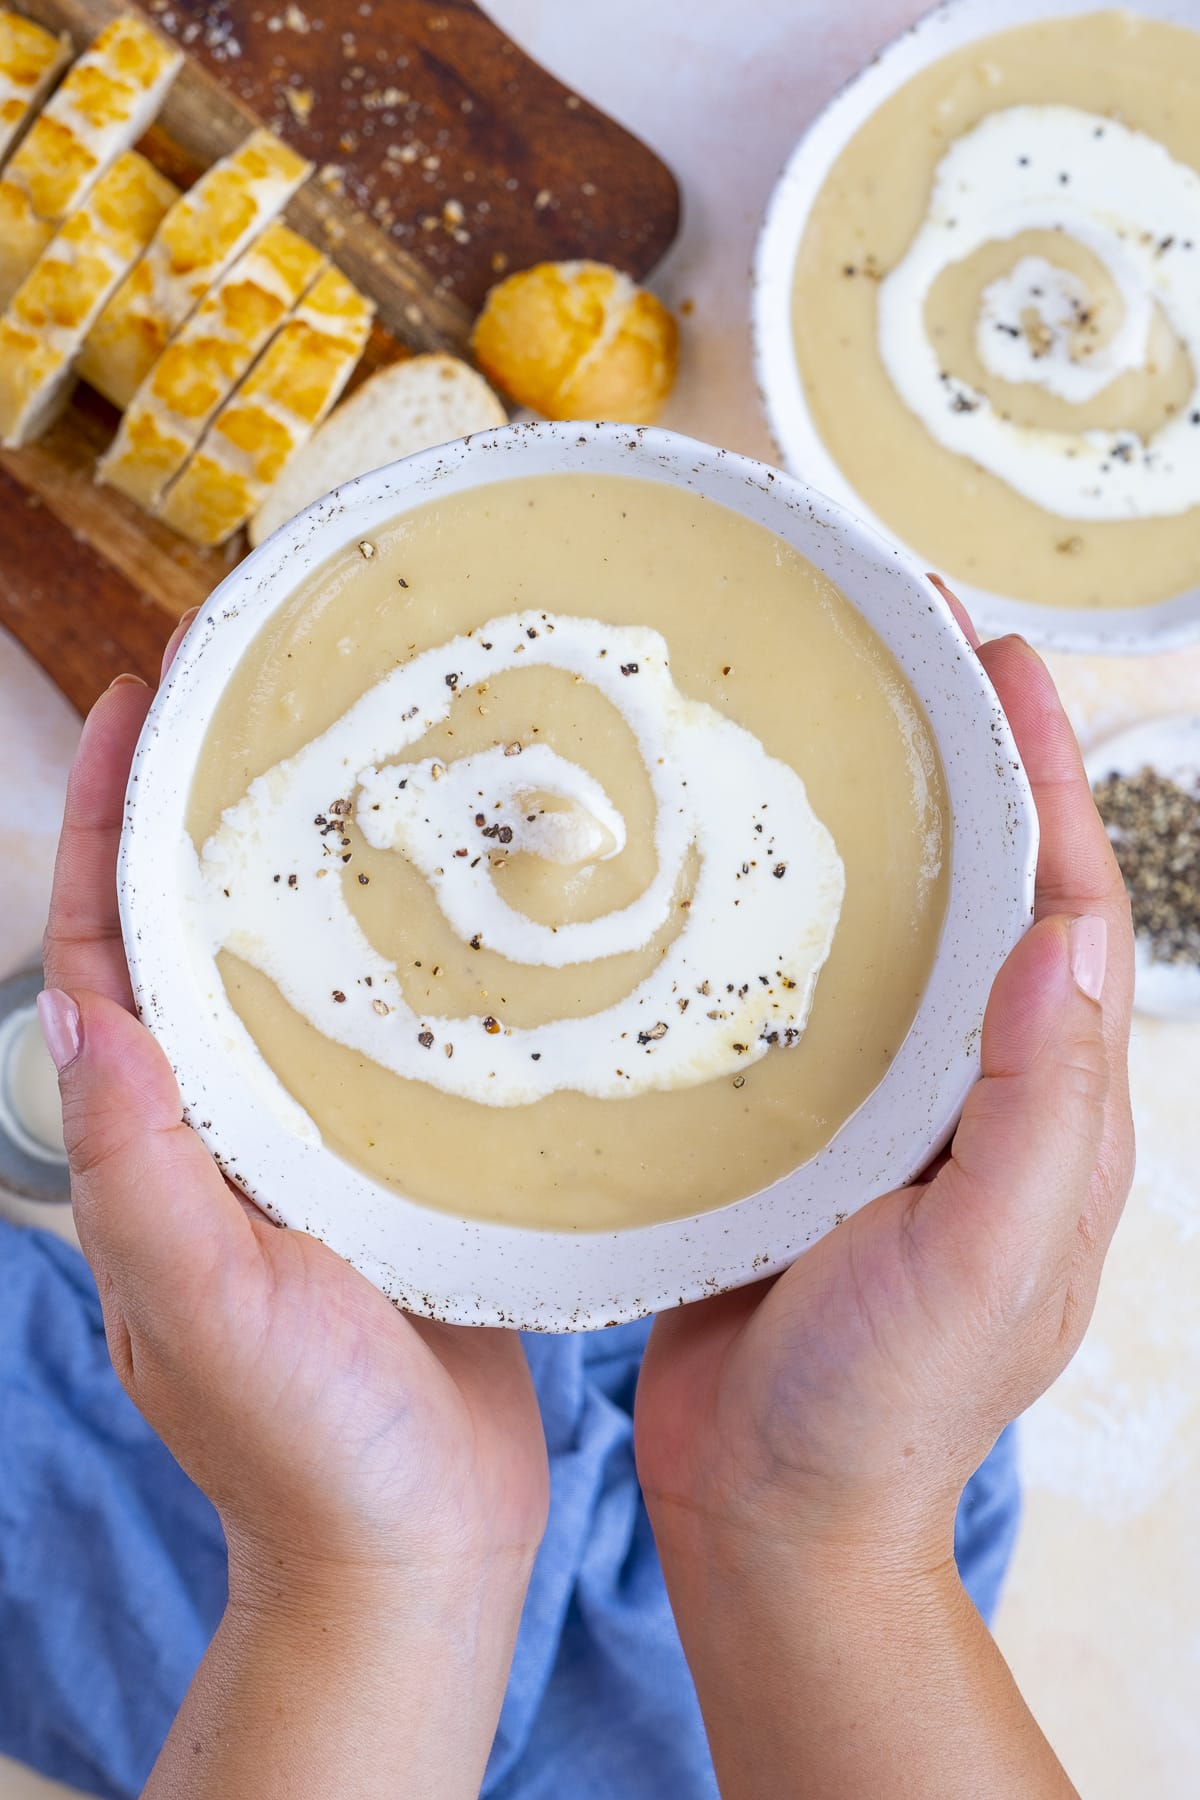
column 154, row 1213
column 1026, row 1146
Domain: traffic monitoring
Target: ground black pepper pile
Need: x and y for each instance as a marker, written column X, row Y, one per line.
column 1154, row 825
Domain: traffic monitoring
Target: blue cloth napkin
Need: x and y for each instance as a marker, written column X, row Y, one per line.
column 112, row 1567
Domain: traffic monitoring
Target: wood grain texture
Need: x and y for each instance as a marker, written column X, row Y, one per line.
column 425, row 108
column 446, row 157
column 77, row 615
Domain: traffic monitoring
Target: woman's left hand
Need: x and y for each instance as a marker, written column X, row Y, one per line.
column 803, row 1445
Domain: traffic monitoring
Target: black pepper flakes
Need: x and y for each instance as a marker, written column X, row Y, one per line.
column 653, row 1035
column 339, row 996
column 1154, row 826
column 491, row 1026
column 425, row 1039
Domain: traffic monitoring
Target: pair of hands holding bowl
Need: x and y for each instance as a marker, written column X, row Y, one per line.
column 802, row 1444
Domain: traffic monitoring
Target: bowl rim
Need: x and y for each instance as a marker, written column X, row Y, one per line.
column 467, row 1271
column 1119, row 630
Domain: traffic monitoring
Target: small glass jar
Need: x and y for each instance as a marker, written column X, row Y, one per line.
column 33, row 1161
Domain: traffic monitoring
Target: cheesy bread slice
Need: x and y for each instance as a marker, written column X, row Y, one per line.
column 202, row 234
column 30, row 60
column 205, row 360
column 52, row 310
column 103, row 105
column 285, row 396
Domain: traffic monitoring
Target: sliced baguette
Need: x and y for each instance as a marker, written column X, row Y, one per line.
column 408, row 406
column 103, row 105
column 30, row 61
column 285, row 396
column 203, row 364
column 201, row 235
column 52, row 310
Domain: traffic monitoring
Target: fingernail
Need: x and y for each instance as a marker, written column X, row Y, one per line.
column 59, row 1018
column 171, row 649
column 126, row 680
column 1089, row 954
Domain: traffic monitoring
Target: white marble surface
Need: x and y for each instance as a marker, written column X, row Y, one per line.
column 1101, row 1621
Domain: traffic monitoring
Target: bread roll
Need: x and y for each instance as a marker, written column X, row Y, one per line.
column 291, row 387
column 408, row 406
column 49, row 315
column 196, row 242
column 104, row 104
column 578, row 340
column 204, row 362
column 30, row 60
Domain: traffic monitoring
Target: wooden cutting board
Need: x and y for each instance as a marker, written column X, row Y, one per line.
column 445, row 156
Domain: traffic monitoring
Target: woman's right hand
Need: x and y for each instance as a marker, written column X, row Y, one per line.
column 382, row 1480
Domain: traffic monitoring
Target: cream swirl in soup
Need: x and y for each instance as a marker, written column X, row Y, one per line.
column 735, row 980
column 1121, row 196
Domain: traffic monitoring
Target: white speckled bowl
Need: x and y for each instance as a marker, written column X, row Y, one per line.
column 485, row 1274
column 948, row 27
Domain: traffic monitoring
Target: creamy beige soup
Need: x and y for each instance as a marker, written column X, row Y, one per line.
column 754, row 631
column 966, row 519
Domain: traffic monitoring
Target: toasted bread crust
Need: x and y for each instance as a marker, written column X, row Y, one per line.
column 200, row 237
column 49, row 316
column 30, row 59
column 202, row 365
column 103, row 104
column 578, row 341
column 289, row 390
